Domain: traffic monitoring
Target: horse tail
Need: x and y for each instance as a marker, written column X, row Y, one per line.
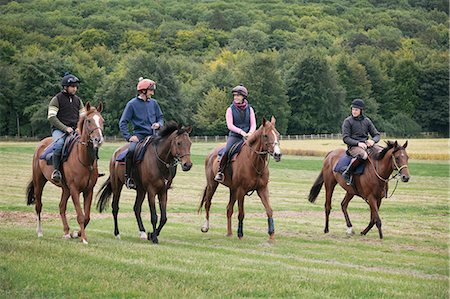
column 203, row 200
column 315, row 189
column 106, row 192
column 30, row 193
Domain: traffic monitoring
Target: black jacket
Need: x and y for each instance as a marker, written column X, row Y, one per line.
column 356, row 130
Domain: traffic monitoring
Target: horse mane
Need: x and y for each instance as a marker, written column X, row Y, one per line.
column 380, row 155
column 168, row 129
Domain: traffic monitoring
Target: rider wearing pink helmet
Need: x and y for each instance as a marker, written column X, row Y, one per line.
column 144, row 114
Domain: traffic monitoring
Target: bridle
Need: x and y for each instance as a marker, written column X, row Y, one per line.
column 396, row 170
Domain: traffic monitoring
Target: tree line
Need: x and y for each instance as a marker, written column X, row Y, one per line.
column 302, row 61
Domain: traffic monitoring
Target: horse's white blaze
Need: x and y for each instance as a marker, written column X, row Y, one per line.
column 142, row 235
column 276, row 147
column 97, row 123
column 75, row 234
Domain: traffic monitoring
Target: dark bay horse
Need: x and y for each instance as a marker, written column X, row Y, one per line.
column 79, row 172
column 372, row 185
column 250, row 172
column 156, row 172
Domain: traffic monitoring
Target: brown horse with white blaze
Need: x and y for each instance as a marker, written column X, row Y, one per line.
column 372, row 185
column 155, row 174
column 79, row 172
column 250, row 172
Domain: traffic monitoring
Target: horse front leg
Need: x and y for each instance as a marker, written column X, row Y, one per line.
column 140, row 195
column 80, row 215
column 87, row 195
column 344, row 205
column 153, row 216
column 62, row 212
column 374, row 217
column 241, row 215
column 264, row 195
column 162, row 197
column 230, row 208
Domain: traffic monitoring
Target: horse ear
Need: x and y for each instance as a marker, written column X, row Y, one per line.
column 273, row 120
column 100, row 107
column 395, row 144
column 88, row 106
column 264, row 121
column 188, row 129
column 406, row 144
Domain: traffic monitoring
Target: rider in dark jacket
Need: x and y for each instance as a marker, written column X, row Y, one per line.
column 355, row 133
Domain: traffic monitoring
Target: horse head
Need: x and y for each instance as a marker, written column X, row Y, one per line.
column 269, row 138
column 181, row 147
column 400, row 160
column 90, row 125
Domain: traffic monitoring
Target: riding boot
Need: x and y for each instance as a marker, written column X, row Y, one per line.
column 129, row 181
column 56, row 174
column 220, row 176
column 348, row 173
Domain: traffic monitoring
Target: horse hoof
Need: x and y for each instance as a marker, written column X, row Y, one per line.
column 272, row 237
column 118, row 237
column 350, row 231
column 40, row 235
column 142, row 235
column 66, row 236
column 204, row 229
column 75, row 234
column 229, row 235
column 84, row 241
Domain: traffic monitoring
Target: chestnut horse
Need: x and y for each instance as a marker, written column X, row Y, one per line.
column 156, row 172
column 79, row 172
column 372, row 185
column 250, row 172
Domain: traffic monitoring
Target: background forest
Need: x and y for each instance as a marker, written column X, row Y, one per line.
column 302, row 61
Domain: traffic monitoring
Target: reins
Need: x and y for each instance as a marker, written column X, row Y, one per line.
column 386, row 181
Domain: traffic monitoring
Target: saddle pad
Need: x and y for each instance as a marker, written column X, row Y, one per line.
column 343, row 163
column 234, row 151
column 67, row 148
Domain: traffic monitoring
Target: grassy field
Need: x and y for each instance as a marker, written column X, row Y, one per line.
column 411, row 262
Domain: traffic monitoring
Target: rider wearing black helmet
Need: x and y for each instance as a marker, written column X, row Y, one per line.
column 355, row 133
column 63, row 113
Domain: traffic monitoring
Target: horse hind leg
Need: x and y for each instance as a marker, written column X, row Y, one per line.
column 344, row 205
column 329, row 188
column 38, row 187
column 115, row 208
column 207, row 198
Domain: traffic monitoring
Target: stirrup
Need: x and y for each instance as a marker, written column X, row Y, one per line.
column 56, row 176
column 348, row 178
column 219, row 177
column 130, row 183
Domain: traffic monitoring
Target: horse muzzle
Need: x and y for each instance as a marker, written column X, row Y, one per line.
column 277, row 157
column 404, row 178
column 186, row 166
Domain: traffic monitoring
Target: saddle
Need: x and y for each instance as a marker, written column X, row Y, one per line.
column 70, row 141
column 139, row 152
column 232, row 153
column 345, row 160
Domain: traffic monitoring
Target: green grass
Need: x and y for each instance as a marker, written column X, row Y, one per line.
column 411, row 262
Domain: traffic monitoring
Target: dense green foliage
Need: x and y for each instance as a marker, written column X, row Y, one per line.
column 303, row 61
